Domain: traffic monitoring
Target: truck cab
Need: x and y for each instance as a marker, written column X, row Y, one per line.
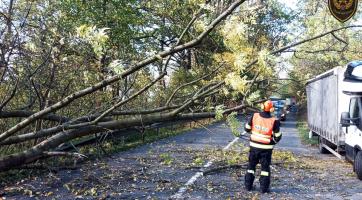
column 351, row 118
column 352, row 127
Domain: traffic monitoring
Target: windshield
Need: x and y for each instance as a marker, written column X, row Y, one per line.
column 355, row 111
column 357, row 71
column 355, row 107
column 278, row 104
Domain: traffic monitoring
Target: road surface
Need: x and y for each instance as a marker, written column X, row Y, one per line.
column 187, row 166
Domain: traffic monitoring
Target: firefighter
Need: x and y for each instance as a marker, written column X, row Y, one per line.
column 264, row 135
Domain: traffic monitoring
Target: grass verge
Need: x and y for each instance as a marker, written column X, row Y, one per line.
column 132, row 141
column 303, row 131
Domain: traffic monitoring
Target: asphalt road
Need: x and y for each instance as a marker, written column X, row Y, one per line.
column 171, row 169
column 290, row 139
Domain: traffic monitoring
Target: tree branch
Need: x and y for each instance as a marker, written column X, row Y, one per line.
column 10, row 97
column 24, row 113
column 339, row 39
column 198, row 95
column 67, row 100
column 187, row 84
column 109, row 110
column 304, row 41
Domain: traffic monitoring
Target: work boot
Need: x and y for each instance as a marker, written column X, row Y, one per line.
column 249, row 180
column 264, row 184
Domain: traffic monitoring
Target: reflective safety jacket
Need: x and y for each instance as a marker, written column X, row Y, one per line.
column 264, row 130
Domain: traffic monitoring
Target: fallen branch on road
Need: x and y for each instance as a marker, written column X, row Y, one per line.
column 61, row 153
column 218, row 169
column 235, row 166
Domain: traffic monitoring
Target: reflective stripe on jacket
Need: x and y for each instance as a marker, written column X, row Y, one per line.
column 261, row 146
column 262, row 130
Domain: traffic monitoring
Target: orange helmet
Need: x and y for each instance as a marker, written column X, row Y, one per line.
column 267, row 106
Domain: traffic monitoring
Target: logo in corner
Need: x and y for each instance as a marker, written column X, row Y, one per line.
column 343, row 10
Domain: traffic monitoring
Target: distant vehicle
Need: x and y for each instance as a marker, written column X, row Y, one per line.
column 279, row 109
column 290, row 103
column 335, row 112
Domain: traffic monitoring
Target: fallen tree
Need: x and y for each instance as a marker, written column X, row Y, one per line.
column 70, row 129
column 37, row 152
column 203, row 90
column 159, row 56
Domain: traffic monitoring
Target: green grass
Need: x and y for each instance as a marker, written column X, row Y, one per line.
column 117, row 145
column 303, row 131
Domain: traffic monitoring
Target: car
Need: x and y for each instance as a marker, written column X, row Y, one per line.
column 279, row 110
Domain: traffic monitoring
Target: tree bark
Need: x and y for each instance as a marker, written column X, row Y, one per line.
column 24, row 113
column 37, row 152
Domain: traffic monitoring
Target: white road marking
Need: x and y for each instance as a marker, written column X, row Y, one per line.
column 208, row 164
column 183, row 189
column 230, row 144
column 192, row 180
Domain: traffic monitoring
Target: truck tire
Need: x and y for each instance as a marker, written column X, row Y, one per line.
column 322, row 150
column 358, row 164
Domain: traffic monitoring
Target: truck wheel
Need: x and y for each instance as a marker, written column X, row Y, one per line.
column 358, row 164
column 322, row 150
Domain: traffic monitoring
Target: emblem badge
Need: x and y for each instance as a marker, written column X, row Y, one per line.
column 343, row 10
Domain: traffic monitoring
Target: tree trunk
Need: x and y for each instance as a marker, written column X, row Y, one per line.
column 37, row 152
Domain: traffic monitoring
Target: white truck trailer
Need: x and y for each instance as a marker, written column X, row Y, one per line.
column 335, row 112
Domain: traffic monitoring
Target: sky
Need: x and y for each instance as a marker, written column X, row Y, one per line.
column 289, row 3
column 292, row 4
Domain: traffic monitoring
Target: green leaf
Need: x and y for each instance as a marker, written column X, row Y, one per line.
column 233, row 123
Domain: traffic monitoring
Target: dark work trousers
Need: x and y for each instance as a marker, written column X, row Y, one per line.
column 262, row 156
